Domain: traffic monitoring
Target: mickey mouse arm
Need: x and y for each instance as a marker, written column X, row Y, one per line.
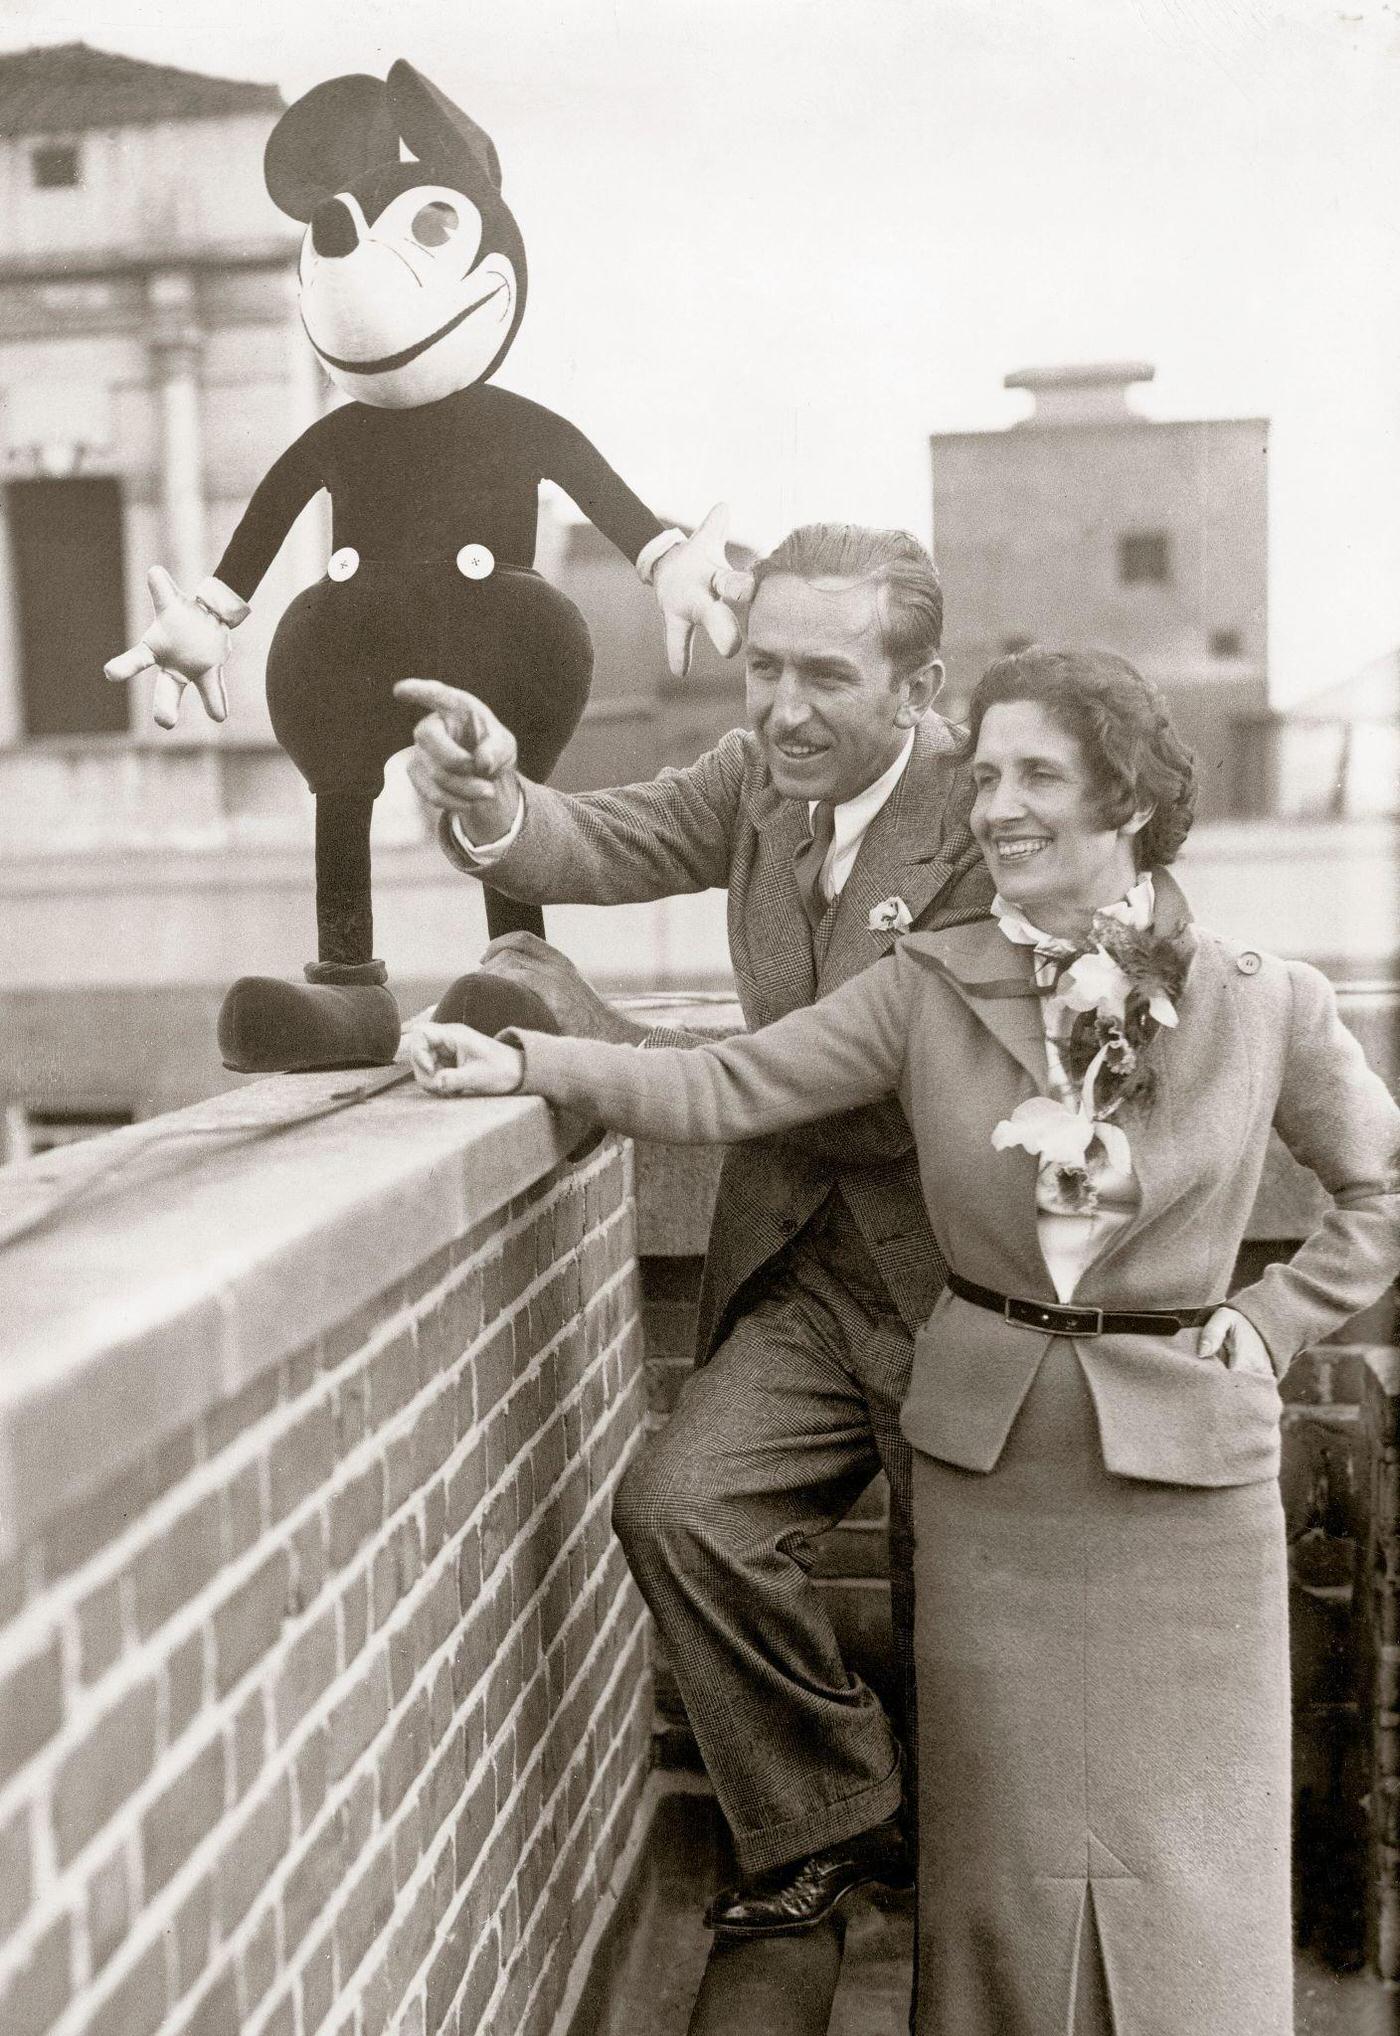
column 188, row 636
column 564, row 455
column 681, row 569
column 274, row 506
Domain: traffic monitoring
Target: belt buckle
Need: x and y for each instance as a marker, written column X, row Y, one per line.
column 1050, row 1317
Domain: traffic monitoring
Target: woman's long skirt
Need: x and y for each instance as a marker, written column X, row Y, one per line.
column 1104, row 1743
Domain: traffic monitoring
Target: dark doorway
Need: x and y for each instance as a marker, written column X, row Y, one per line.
column 70, row 593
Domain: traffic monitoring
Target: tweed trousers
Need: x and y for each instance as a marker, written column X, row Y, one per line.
column 771, row 1443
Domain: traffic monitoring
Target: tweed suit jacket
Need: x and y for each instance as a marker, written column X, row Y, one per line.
column 1259, row 1046
column 721, row 823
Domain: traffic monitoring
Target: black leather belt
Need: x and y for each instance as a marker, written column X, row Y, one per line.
column 1057, row 1320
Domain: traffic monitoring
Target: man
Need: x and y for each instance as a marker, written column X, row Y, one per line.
column 836, row 821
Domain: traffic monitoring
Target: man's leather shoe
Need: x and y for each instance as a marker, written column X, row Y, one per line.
column 797, row 1896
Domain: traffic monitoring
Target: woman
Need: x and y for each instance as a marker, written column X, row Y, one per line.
column 1100, row 1630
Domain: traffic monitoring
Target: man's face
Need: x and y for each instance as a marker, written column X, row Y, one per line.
column 821, row 692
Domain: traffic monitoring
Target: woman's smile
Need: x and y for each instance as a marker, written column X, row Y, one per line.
column 1012, row 848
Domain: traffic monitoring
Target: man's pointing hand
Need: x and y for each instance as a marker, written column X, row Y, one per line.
column 463, row 758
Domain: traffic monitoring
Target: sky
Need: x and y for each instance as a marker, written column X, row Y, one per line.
column 774, row 244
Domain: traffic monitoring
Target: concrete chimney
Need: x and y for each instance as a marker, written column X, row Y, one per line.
column 1081, row 393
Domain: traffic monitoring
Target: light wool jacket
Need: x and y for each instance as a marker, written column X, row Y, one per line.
column 1259, row 1046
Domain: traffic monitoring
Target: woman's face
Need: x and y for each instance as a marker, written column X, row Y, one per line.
column 1034, row 820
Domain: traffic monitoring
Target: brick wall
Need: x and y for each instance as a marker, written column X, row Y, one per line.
column 1327, row 1500
column 324, row 1694
column 1378, row 1629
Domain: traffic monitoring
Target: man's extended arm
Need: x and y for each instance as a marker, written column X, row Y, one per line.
column 634, row 844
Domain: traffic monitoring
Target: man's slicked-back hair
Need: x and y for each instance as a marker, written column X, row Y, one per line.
column 909, row 596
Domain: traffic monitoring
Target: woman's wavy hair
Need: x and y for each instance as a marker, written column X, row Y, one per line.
column 1120, row 721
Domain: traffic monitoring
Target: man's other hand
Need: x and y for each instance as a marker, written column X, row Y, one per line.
column 463, row 758
column 580, row 1011
column 452, row 1060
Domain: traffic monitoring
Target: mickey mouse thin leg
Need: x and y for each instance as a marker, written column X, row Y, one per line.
column 343, row 1015
column 508, row 915
column 344, row 902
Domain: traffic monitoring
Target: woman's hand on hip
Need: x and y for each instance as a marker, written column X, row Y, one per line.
column 1233, row 1338
column 452, row 1060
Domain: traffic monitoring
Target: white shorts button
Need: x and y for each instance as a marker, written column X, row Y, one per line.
column 345, row 563
column 475, row 562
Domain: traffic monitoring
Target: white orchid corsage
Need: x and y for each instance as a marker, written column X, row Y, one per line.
column 1123, row 987
column 891, row 915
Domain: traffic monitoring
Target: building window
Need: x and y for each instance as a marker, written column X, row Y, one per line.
column 1144, row 559
column 55, row 166
column 29, row 1129
column 69, row 591
column 1226, row 643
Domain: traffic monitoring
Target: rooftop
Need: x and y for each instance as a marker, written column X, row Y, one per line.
column 62, row 87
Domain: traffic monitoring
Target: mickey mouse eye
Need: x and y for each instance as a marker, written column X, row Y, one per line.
column 435, row 224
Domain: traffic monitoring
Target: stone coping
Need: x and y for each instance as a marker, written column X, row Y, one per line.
column 187, row 1255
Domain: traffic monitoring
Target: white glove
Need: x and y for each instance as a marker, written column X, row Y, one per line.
column 693, row 580
column 188, row 642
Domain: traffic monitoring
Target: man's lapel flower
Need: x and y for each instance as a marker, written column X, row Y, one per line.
column 891, row 915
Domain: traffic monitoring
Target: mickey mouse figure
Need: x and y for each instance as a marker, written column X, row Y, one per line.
column 412, row 287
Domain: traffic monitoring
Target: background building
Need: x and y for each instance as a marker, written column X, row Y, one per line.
column 152, row 367
column 146, row 373
column 1087, row 523
column 1335, row 755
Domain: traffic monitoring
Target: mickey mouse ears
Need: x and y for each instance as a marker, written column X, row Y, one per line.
column 348, row 127
column 435, row 129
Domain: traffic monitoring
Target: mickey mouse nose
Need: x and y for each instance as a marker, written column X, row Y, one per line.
column 333, row 229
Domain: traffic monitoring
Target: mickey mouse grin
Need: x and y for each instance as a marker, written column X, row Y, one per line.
column 386, row 363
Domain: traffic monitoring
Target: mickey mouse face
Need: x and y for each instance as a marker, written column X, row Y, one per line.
column 412, row 271
column 402, row 307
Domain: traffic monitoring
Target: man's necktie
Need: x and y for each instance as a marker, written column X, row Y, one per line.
column 807, row 864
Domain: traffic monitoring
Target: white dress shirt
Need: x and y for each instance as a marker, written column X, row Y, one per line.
column 482, row 854
column 851, row 820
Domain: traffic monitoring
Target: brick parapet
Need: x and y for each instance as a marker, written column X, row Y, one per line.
column 1379, row 1621
column 324, row 1693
